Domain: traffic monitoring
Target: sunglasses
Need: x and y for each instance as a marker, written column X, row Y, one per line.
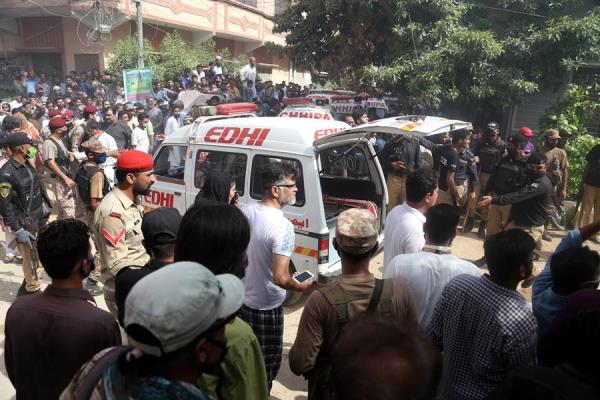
column 291, row 186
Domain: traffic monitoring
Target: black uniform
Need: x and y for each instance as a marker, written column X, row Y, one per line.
column 507, row 176
column 490, row 154
column 406, row 151
column 466, row 169
column 21, row 196
column 530, row 203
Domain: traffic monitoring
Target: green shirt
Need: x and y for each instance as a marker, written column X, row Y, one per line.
column 150, row 132
column 242, row 375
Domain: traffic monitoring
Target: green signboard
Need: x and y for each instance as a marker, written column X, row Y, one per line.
column 138, row 84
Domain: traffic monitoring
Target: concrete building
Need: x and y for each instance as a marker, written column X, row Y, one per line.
column 58, row 36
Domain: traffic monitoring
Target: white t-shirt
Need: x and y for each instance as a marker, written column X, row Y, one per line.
column 109, row 165
column 139, row 139
column 403, row 232
column 270, row 232
column 171, row 126
column 426, row 274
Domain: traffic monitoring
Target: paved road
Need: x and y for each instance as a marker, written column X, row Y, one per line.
column 287, row 386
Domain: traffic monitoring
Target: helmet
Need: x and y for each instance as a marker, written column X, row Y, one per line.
column 525, row 131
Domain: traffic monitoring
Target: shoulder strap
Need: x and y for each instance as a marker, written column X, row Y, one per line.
column 59, row 149
column 90, row 380
column 386, row 298
column 375, row 296
column 336, row 296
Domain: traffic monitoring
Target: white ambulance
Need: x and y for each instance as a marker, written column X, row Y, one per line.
column 336, row 171
column 304, row 107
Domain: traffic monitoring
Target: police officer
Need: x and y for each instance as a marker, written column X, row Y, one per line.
column 529, row 203
column 507, row 177
column 490, row 151
column 57, row 160
column 118, row 220
column 22, row 205
column 401, row 156
column 457, row 174
column 557, row 169
column 92, row 186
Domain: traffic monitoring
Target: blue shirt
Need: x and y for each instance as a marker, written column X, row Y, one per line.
column 546, row 302
column 186, row 82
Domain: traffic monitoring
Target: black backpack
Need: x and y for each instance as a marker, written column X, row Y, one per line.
column 83, row 179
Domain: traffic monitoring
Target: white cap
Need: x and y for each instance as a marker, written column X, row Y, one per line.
column 178, row 303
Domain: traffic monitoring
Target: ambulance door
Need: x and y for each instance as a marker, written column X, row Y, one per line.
column 209, row 160
column 169, row 168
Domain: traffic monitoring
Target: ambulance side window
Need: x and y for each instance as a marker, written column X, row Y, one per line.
column 228, row 164
column 170, row 163
column 260, row 163
column 345, row 161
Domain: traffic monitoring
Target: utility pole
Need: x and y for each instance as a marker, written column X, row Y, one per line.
column 140, row 34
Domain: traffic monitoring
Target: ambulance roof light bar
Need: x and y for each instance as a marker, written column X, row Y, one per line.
column 341, row 98
column 236, row 108
column 298, row 101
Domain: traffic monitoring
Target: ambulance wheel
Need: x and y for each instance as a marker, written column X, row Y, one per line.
column 292, row 297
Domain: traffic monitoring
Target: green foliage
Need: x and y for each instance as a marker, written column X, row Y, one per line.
column 125, row 57
column 175, row 56
column 577, row 150
column 572, row 113
column 436, row 52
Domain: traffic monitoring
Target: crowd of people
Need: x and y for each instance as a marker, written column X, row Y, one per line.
column 38, row 93
column 196, row 300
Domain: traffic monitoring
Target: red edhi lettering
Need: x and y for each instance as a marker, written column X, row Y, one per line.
column 160, row 199
column 217, row 130
column 326, row 132
column 229, row 135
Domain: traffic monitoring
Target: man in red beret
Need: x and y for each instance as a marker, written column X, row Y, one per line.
column 118, row 220
column 57, row 160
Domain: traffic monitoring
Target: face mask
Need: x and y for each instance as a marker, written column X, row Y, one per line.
column 214, row 367
column 240, row 270
column 373, row 141
column 31, row 152
column 87, row 273
column 534, row 174
column 101, row 159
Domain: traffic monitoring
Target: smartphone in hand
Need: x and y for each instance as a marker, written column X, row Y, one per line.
column 303, row 276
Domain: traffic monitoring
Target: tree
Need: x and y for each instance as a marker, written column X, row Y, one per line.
column 175, row 56
column 440, row 53
column 125, row 57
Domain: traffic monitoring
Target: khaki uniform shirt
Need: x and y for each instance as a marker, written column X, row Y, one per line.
column 556, row 164
column 318, row 325
column 96, row 182
column 118, row 229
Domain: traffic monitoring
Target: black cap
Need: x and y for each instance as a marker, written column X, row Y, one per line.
column 537, row 158
column 517, row 139
column 15, row 139
column 160, row 226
